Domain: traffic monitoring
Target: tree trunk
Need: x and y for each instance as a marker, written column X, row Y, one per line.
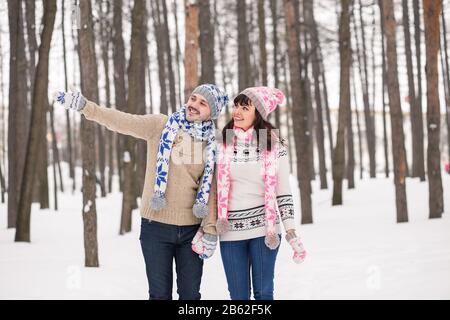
column 244, row 67
column 105, row 32
column 68, row 125
column 384, row 89
column 166, row 40
column 206, row 43
column 136, row 99
column 274, row 13
column 18, row 113
column 119, row 79
column 447, row 68
column 55, row 158
column 398, row 138
column 38, row 113
column 344, row 101
column 419, row 138
column 159, row 35
column 89, row 85
column 300, row 113
column 431, row 12
column 262, row 42
column 411, row 90
column 315, row 44
column 191, row 47
column 178, row 54
column 361, row 167
column 368, row 116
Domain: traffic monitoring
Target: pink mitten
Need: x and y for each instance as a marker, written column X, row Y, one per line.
column 297, row 245
column 197, row 245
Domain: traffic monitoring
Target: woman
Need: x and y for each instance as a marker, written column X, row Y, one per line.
column 252, row 180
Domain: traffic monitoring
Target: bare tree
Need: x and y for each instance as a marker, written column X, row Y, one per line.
column 431, row 12
column 300, row 113
column 68, row 124
column 398, row 137
column 262, row 42
column 206, row 42
column 191, row 46
column 136, row 99
column 38, row 114
column 160, row 45
column 344, row 101
column 120, row 95
column 18, row 113
column 89, row 85
column 416, row 158
column 446, row 67
column 244, row 76
column 165, row 37
column 315, row 45
column 418, row 114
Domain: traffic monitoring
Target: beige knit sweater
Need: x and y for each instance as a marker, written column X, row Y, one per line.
column 186, row 168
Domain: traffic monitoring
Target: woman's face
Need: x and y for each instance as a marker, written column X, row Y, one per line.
column 244, row 116
column 197, row 109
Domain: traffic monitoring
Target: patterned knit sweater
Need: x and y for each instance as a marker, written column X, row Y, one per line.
column 186, row 167
column 246, row 199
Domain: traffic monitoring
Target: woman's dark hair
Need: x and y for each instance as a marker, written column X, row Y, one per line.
column 258, row 124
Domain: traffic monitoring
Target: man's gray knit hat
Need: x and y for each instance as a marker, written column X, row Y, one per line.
column 217, row 99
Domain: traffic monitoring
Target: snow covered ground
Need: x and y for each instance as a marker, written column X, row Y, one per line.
column 355, row 251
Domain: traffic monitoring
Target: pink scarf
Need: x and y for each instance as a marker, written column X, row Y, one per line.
column 270, row 185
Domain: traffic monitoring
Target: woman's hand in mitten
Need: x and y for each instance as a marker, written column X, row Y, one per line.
column 204, row 244
column 297, row 246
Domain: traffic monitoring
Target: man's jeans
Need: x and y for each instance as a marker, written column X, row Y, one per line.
column 238, row 258
column 161, row 244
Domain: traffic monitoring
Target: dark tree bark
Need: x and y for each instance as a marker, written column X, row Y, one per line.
column 276, row 45
column 38, row 114
column 136, row 103
column 206, row 43
column 315, row 44
column 18, row 113
column 262, row 42
column 300, row 113
column 120, row 95
column 166, row 40
column 105, row 32
column 178, row 55
column 446, row 67
column 89, row 85
column 68, row 124
column 431, row 12
column 159, row 35
column 416, row 158
column 368, row 116
column 384, row 89
column 398, row 137
column 244, row 76
column 191, row 47
column 344, row 101
column 419, row 132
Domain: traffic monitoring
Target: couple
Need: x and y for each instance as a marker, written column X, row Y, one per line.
column 188, row 199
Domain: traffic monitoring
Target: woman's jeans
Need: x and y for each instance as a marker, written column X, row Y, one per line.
column 241, row 257
column 162, row 243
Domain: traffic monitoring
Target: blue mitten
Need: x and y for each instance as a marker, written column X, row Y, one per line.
column 70, row 100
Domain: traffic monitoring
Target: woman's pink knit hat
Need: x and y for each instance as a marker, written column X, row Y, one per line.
column 265, row 99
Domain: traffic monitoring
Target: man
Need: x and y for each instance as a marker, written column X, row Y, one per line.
column 179, row 198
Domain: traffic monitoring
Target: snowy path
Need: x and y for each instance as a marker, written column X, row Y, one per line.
column 355, row 251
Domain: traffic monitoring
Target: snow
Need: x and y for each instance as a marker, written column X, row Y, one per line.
column 355, row 251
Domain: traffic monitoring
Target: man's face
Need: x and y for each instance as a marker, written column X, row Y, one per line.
column 197, row 109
